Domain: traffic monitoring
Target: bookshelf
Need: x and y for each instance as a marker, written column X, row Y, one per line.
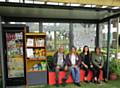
column 36, row 61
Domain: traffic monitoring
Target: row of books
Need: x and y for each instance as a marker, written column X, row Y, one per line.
column 35, row 42
column 36, row 53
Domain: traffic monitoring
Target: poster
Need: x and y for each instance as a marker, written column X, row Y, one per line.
column 15, row 59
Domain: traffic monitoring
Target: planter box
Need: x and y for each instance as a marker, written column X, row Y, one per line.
column 113, row 76
column 52, row 77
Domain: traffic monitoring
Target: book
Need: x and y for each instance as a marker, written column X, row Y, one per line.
column 30, row 42
column 30, row 53
column 40, row 42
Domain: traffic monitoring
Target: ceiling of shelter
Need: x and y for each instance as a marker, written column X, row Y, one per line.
column 59, row 11
column 94, row 2
column 55, row 13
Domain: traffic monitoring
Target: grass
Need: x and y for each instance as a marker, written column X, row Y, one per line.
column 110, row 84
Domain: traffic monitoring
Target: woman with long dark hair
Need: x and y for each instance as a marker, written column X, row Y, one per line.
column 86, row 63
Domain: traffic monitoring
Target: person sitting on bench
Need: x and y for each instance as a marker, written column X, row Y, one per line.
column 86, row 63
column 59, row 62
column 73, row 62
column 98, row 63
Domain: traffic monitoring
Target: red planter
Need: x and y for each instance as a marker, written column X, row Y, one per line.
column 113, row 76
column 52, row 78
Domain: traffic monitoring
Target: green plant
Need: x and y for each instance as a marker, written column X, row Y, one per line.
column 115, row 66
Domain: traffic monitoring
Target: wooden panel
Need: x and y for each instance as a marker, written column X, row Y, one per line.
column 37, row 78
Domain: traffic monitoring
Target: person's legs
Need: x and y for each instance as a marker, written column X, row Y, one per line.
column 86, row 73
column 77, row 75
column 105, row 73
column 66, row 76
column 67, row 73
column 92, row 69
column 98, row 73
column 95, row 73
column 73, row 73
column 57, row 74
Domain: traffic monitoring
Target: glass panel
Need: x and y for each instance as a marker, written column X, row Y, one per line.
column 2, row 0
column 103, row 35
column 39, row 2
column 57, row 34
column 84, row 34
column 62, row 38
column 33, row 27
column 114, row 41
column 14, row 1
column 50, row 40
column 29, row 1
column 113, row 38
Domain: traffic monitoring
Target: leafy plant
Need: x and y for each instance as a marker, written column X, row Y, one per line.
column 115, row 66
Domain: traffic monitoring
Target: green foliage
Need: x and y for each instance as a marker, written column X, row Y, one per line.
column 50, row 63
column 115, row 66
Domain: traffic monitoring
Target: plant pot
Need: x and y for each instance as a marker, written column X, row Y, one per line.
column 113, row 76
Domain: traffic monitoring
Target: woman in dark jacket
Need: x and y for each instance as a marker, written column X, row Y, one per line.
column 86, row 63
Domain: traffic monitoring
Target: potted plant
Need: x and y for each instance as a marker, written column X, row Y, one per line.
column 114, row 69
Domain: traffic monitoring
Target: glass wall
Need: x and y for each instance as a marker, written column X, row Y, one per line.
column 84, row 34
column 2, row 0
column 57, row 34
column 17, row 1
column 115, row 32
column 33, row 26
column 103, row 35
column 103, row 32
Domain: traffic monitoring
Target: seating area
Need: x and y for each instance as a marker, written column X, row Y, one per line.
column 52, row 77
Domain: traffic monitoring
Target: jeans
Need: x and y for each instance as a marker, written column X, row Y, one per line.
column 75, row 74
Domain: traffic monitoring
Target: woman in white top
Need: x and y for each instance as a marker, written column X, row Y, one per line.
column 73, row 62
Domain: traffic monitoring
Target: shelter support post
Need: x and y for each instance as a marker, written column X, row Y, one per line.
column 108, row 47
column 97, row 35
column 117, row 42
column 1, row 54
column 71, row 35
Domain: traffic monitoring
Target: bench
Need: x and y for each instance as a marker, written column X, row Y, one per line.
column 52, row 77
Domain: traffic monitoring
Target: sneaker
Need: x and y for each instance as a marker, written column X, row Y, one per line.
column 86, row 81
column 78, row 84
column 63, row 82
column 95, row 81
column 57, row 84
column 105, row 80
column 98, row 82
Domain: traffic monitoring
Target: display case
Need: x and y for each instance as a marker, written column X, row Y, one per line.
column 14, row 54
column 36, row 61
